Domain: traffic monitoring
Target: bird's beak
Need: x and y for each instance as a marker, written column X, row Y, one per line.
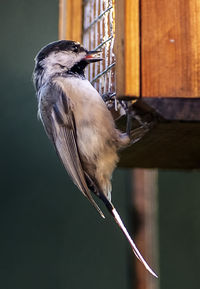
column 93, row 56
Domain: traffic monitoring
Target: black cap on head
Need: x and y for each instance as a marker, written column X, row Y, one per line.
column 59, row 46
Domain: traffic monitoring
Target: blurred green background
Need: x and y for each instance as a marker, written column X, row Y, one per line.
column 50, row 236
column 179, row 227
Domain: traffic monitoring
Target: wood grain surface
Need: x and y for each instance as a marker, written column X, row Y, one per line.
column 70, row 20
column 119, row 46
column 132, row 48
column 127, row 48
column 170, row 41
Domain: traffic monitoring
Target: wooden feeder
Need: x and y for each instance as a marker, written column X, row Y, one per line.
column 152, row 58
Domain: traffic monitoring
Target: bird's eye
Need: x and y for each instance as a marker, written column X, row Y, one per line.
column 75, row 48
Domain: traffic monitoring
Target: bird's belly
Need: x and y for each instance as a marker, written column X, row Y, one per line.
column 89, row 138
column 95, row 127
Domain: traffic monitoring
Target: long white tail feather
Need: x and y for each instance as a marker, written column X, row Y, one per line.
column 133, row 246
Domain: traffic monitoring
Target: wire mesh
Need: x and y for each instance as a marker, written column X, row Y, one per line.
column 98, row 34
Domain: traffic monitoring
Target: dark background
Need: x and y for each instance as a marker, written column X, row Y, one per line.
column 179, row 226
column 50, row 236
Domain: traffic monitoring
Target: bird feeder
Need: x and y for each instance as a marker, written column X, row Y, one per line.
column 152, row 59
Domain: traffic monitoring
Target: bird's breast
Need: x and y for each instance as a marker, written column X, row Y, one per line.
column 86, row 103
column 94, row 123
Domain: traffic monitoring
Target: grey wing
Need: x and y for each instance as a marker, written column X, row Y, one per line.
column 58, row 119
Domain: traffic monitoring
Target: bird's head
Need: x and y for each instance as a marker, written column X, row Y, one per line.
column 63, row 56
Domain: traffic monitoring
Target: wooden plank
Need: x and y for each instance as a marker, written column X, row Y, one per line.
column 144, row 201
column 70, row 20
column 170, row 48
column 119, row 48
column 132, row 48
column 61, row 20
column 175, row 109
column 173, row 140
column 169, row 145
column 127, row 48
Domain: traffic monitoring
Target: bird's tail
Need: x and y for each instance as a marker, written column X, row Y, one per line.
column 118, row 220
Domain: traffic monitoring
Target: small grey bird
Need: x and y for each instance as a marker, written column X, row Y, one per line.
column 78, row 123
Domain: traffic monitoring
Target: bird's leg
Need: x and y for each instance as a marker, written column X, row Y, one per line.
column 110, row 98
column 134, row 133
column 113, row 104
column 126, row 107
column 111, row 101
column 136, row 124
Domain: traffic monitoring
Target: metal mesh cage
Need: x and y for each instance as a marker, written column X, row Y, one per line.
column 98, row 34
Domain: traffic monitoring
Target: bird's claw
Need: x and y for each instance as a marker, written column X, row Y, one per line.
column 108, row 96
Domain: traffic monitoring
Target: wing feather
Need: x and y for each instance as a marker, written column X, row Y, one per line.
column 58, row 119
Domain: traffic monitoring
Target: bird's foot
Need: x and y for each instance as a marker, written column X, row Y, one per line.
column 109, row 96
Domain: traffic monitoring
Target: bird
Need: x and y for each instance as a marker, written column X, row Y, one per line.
column 79, row 124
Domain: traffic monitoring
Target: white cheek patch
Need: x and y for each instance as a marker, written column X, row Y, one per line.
column 64, row 58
